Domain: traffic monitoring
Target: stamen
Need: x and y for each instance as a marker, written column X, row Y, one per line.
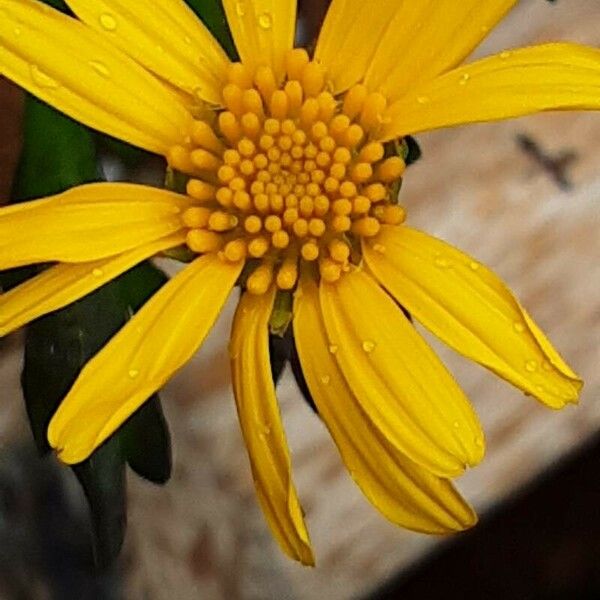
column 295, row 61
column 260, row 280
column 391, row 169
column 288, row 175
column 288, row 274
column 200, row 190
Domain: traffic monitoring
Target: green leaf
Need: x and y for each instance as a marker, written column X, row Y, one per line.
column 102, row 478
column 213, row 16
column 58, row 153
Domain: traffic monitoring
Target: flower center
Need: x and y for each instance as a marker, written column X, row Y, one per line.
column 289, row 175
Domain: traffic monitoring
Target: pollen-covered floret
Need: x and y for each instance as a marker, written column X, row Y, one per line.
column 290, row 174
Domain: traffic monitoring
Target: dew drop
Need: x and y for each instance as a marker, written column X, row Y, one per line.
column 519, row 327
column 368, row 346
column 108, row 22
column 422, row 99
column 474, row 266
column 479, row 442
column 539, row 389
column 97, row 272
column 531, row 366
column 133, row 373
column 456, row 425
column 333, row 348
column 17, row 31
column 441, row 262
column 187, row 39
column 265, row 20
column 325, row 379
column 41, row 79
column 504, row 55
column 379, row 248
column 464, row 79
column 240, row 9
column 100, row 68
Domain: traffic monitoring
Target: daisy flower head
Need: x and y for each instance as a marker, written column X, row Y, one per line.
column 291, row 193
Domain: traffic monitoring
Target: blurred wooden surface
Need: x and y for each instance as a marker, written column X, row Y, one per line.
column 203, row 535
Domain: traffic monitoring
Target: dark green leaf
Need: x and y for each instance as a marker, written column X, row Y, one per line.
column 146, row 442
column 279, row 353
column 299, row 376
column 102, row 478
column 413, row 150
column 213, row 16
column 58, row 153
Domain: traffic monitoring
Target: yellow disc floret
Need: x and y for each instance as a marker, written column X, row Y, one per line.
column 289, row 174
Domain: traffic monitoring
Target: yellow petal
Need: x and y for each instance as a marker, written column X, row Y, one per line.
column 79, row 72
column 262, row 427
column 470, row 309
column 510, row 84
column 350, row 35
column 62, row 284
column 428, row 37
column 168, row 39
column 140, row 359
column 399, row 382
column 263, row 31
column 403, row 492
column 87, row 223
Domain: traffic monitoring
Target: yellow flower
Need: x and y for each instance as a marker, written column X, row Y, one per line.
column 289, row 192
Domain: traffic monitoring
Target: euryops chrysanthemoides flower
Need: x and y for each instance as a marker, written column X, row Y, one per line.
column 292, row 195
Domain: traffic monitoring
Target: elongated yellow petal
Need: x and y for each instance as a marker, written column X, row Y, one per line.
column 167, row 38
column 263, row 31
column 397, row 379
column 140, row 359
column 262, row 427
column 350, row 35
column 428, row 37
column 471, row 309
column 62, row 284
column 79, row 72
column 510, row 84
column 403, row 492
column 87, row 223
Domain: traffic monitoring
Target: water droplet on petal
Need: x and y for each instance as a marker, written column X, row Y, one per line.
column 325, row 379
column 379, row 248
column 504, row 55
column 531, row 366
column 187, row 39
column 422, row 99
column 41, row 79
column 464, row 79
column 97, row 272
column 240, row 9
column 479, row 442
column 333, row 348
column 474, row 266
column 100, row 68
column 519, row 327
column 265, row 20
column 456, row 425
column 368, row 346
column 441, row 262
column 108, row 22
column 17, row 31
column 133, row 373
